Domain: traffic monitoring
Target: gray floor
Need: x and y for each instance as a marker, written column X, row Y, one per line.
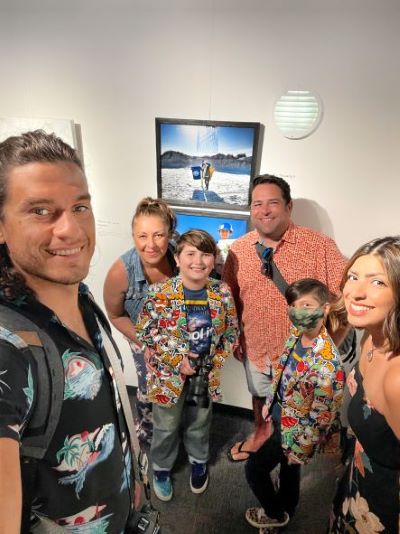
column 220, row 510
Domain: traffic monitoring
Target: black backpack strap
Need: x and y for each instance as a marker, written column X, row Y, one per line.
column 27, row 336
column 50, row 372
column 270, row 268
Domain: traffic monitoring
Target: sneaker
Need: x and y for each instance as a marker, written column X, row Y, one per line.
column 259, row 519
column 162, row 485
column 198, row 478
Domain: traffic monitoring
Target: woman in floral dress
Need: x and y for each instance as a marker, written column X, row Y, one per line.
column 367, row 500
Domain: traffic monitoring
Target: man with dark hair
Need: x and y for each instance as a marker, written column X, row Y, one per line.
column 47, row 237
column 297, row 252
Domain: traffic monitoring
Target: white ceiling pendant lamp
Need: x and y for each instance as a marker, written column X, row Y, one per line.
column 298, row 113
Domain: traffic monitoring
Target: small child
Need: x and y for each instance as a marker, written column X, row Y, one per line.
column 302, row 406
column 189, row 325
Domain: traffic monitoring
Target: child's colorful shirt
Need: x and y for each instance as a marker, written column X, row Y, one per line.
column 311, row 398
column 297, row 355
column 163, row 327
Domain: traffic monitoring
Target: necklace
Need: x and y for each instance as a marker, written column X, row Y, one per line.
column 370, row 353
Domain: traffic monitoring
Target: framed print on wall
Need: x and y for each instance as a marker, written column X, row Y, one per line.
column 206, row 163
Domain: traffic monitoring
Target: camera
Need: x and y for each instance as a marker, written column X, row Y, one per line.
column 144, row 521
column 197, row 394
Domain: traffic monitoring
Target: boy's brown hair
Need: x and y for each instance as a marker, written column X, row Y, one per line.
column 307, row 286
column 200, row 239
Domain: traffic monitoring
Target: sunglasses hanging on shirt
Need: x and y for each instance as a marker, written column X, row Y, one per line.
column 265, row 254
column 269, row 268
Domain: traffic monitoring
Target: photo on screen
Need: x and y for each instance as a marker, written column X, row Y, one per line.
column 224, row 228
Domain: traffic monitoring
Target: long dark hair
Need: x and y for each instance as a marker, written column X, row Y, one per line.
column 387, row 249
column 31, row 147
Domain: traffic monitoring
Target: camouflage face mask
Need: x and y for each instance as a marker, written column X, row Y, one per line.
column 305, row 318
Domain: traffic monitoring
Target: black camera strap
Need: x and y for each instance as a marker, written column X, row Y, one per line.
column 139, row 457
column 270, row 268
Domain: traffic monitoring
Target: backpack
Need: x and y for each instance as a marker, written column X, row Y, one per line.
column 28, row 337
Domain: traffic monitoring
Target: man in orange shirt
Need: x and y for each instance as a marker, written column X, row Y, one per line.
column 298, row 252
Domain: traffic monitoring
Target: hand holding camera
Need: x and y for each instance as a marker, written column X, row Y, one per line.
column 198, row 382
column 187, row 367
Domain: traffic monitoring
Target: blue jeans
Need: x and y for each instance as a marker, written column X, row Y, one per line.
column 258, row 474
column 196, row 424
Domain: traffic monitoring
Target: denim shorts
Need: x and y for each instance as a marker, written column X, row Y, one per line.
column 257, row 381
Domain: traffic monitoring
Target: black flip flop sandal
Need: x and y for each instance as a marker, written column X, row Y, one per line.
column 239, row 451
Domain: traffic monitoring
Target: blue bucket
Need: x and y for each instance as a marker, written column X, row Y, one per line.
column 196, row 172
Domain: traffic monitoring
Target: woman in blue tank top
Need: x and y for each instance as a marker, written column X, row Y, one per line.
column 127, row 282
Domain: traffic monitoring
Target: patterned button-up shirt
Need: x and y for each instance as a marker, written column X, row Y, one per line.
column 311, row 396
column 262, row 309
column 162, row 326
column 84, row 482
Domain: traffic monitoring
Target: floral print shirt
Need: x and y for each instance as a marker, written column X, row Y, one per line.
column 84, row 483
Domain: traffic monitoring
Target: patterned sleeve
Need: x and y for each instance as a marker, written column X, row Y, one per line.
column 147, row 320
column 229, row 339
column 17, row 390
column 327, row 401
column 323, row 415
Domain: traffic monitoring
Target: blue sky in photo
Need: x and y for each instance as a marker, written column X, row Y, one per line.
column 210, row 224
column 197, row 140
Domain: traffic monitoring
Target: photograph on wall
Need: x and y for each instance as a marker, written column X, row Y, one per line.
column 206, row 163
column 224, row 228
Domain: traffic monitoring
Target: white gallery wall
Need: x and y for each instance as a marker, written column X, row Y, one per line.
column 113, row 66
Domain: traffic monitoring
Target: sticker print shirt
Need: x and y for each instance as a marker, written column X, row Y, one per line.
column 198, row 320
column 163, row 327
column 84, row 483
column 311, row 398
column 299, row 352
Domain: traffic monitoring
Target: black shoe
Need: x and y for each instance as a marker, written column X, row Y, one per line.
column 199, row 478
